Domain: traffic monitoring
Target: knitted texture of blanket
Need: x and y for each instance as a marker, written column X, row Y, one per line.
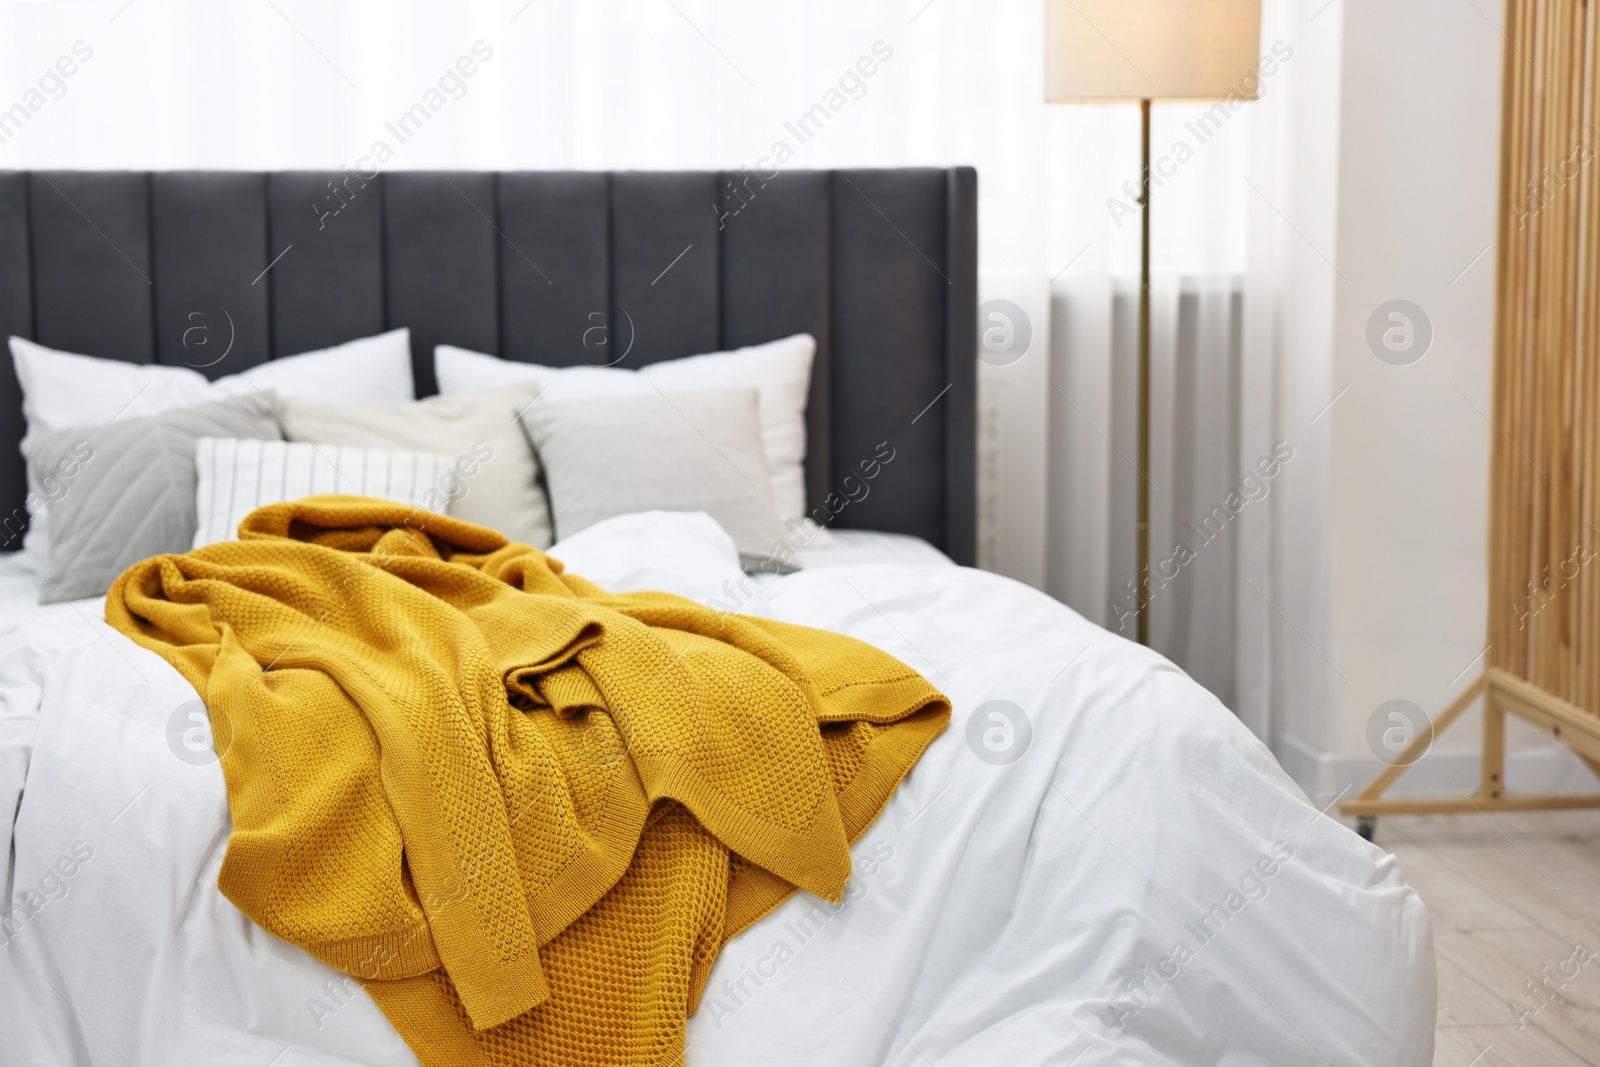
column 527, row 814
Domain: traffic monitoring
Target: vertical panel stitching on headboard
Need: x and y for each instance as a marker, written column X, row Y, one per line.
column 832, row 330
column 382, row 182
column 721, row 253
column 266, row 252
column 33, row 271
column 828, row 323
column 718, row 251
column 150, row 258
column 819, row 457
column 828, row 186
column 499, row 268
column 611, row 264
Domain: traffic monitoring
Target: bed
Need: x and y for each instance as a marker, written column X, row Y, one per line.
column 1095, row 863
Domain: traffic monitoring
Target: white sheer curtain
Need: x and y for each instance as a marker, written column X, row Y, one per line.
column 716, row 83
column 1200, row 241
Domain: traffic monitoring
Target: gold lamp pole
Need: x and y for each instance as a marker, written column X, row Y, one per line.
column 1121, row 50
column 1142, row 488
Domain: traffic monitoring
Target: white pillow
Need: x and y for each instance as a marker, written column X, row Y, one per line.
column 238, row 475
column 62, row 389
column 779, row 372
column 682, row 552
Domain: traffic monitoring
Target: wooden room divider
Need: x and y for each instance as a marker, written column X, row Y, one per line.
column 1543, row 656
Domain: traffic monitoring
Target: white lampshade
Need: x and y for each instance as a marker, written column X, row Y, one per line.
column 1151, row 49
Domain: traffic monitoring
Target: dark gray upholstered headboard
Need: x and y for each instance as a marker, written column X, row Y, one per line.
column 557, row 268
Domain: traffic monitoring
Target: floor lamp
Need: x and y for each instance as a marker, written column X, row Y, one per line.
column 1100, row 51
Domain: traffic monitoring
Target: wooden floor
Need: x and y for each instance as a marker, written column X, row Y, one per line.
column 1510, row 896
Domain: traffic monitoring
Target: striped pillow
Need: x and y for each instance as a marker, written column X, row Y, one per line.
column 236, row 476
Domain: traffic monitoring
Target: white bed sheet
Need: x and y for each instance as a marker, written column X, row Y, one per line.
column 19, row 585
column 1026, row 913
column 840, row 548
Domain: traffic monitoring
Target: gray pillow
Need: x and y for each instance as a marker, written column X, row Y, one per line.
column 683, row 452
column 123, row 492
column 496, row 483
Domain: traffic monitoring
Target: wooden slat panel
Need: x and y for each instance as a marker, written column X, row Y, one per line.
column 1544, row 523
column 1587, row 401
column 1511, row 269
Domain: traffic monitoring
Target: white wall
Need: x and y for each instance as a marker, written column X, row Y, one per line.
column 1383, row 552
column 1303, row 133
column 1418, row 182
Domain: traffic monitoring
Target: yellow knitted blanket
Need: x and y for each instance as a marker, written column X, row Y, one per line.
column 525, row 813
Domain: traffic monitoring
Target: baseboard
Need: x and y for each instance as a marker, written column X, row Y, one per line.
column 1546, row 769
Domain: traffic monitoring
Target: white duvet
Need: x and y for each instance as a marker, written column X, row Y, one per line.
column 1095, row 864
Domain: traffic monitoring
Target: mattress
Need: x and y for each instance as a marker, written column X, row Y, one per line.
column 1096, row 863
